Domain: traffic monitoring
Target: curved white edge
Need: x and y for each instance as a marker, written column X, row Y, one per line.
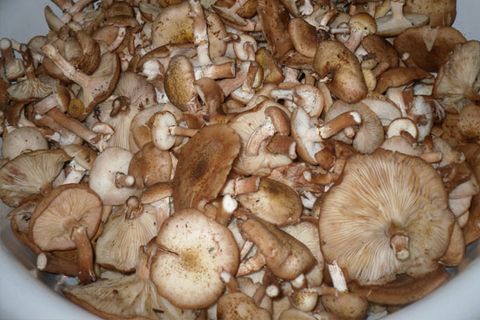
column 24, row 297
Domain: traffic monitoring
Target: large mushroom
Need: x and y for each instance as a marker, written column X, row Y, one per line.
column 193, row 252
column 388, row 216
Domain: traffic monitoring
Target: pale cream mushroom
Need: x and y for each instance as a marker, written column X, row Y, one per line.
column 22, row 140
column 193, row 252
column 396, row 22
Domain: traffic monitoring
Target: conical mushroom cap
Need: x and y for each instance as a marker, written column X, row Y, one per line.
column 381, row 195
column 194, row 251
column 62, row 210
column 203, row 165
column 29, row 173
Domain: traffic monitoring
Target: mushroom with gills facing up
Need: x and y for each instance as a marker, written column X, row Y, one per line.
column 67, row 218
column 193, row 251
column 376, row 221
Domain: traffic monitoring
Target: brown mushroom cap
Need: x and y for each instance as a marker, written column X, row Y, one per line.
column 274, row 202
column 179, row 83
column 238, row 305
column 150, row 166
column 333, row 58
column 194, row 251
column 397, row 77
column 382, row 49
column 441, row 12
column 203, row 165
column 304, row 37
column 30, row 173
column 469, row 121
column 65, row 208
column 384, row 200
column 173, row 26
column 428, row 48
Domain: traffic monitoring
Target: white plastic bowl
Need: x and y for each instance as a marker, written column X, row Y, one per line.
column 27, row 294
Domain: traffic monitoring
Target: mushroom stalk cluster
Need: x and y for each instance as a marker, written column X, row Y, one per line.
column 253, row 159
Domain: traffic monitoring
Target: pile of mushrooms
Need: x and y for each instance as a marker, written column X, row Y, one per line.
column 250, row 159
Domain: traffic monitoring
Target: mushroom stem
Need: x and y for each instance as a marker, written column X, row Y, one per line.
column 247, row 246
column 215, row 71
column 339, row 123
column 266, row 130
column 66, row 67
column 338, row 279
column 64, row 5
column 123, row 180
column 181, row 131
column 230, row 282
column 121, row 34
column 7, row 51
column 50, row 263
column 325, row 159
column 85, row 254
column 134, row 208
column 200, row 36
column 354, row 40
column 252, row 264
column 46, row 104
column 399, row 243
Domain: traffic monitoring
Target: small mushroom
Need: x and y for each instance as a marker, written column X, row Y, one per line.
column 203, row 165
column 388, row 219
column 335, row 60
column 193, row 252
column 67, row 218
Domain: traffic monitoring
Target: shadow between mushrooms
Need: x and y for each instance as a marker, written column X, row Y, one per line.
column 388, row 216
column 203, row 165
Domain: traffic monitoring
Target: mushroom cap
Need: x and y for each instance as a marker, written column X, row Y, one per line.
column 102, row 175
column 379, row 193
column 273, row 202
column 304, row 37
column 364, row 23
column 382, row 49
column 195, row 250
column 161, row 136
column 173, row 26
column 396, row 77
column 348, row 83
column 441, row 12
column 394, row 24
column 428, row 48
column 204, row 163
column 29, row 173
column 305, row 133
column 238, row 305
column 456, row 81
column 22, row 140
column 386, row 110
column 179, row 83
column 469, row 121
column 82, row 155
column 60, row 211
column 29, row 89
column 150, row 166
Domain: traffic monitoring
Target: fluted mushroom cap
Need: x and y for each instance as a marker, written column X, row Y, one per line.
column 389, row 215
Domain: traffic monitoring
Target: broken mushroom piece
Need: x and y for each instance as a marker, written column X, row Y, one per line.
column 67, row 218
column 386, row 203
column 204, row 163
column 30, row 174
column 131, row 226
column 334, row 60
column 109, row 176
column 193, row 252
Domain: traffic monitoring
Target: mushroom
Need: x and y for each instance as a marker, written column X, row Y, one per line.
column 284, row 255
column 273, row 202
column 127, row 297
column 150, row 165
column 82, row 161
column 397, row 77
column 335, row 60
column 109, row 176
column 441, row 13
column 67, row 218
column 312, row 99
column 13, row 68
column 30, row 174
column 455, row 84
column 428, row 48
column 165, row 130
column 173, row 26
column 392, row 213
column 384, row 53
column 395, row 23
column 22, row 140
column 203, row 165
column 361, row 25
column 131, row 226
column 193, row 252
column 469, row 122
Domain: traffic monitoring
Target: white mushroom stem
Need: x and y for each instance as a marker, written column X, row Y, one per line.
column 252, row 264
column 200, row 36
column 230, row 15
column 399, row 243
column 66, row 67
column 299, row 282
column 181, row 131
column 215, row 71
column 85, row 254
column 356, row 37
column 339, row 123
column 64, row 5
column 134, row 208
column 46, row 104
column 62, row 135
column 396, row 7
column 123, row 180
column 50, row 263
column 230, row 282
column 229, row 204
column 338, row 279
column 247, row 246
column 272, row 291
column 76, row 173
column 121, row 34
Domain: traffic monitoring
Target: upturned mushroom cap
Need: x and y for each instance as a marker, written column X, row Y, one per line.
column 203, row 165
column 194, row 250
column 237, row 305
column 63, row 209
column 107, row 165
column 334, row 59
column 22, row 140
column 274, row 202
column 126, row 230
column 428, row 48
column 441, row 12
column 29, row 174
column 456, row 84
column 375, row 222
column 285, row 256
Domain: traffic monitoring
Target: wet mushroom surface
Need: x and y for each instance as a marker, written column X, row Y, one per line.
column 252, row 159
